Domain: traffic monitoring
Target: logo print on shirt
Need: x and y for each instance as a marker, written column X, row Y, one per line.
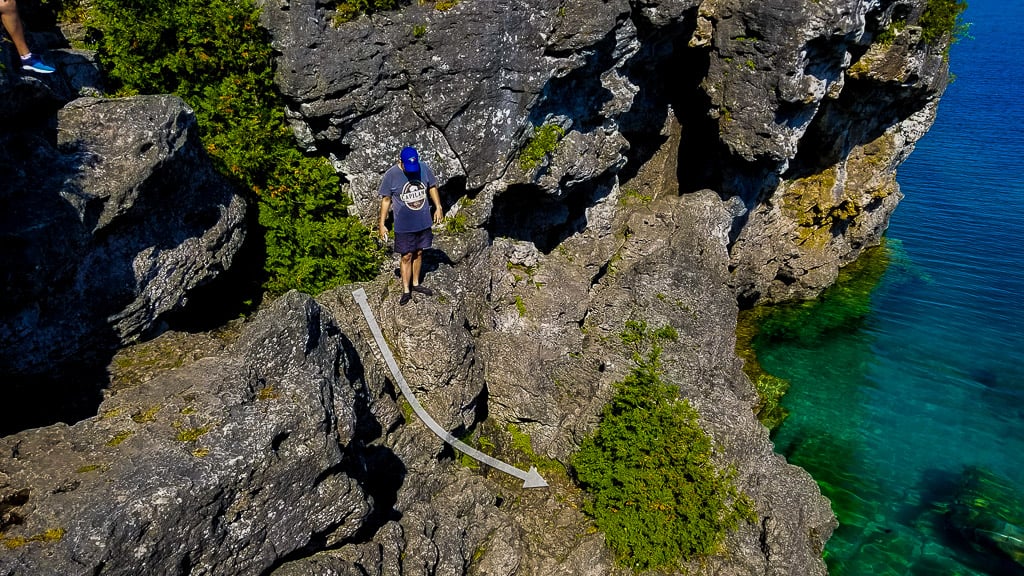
column 414, row 195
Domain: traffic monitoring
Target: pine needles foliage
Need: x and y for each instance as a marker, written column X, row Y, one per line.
column 648, row 468
column 942, row 18
column 216, row 57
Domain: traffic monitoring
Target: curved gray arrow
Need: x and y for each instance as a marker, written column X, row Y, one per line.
column 531, row 479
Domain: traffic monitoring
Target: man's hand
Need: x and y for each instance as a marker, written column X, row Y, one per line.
column 385, row 206
column 435, row 196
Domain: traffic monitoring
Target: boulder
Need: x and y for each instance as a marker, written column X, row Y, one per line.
column 108, row 224
column 224, row 466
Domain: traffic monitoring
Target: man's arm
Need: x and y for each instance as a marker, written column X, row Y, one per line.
column 385, row 206
column 435, row 196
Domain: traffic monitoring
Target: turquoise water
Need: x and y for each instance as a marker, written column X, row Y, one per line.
column 888, row 412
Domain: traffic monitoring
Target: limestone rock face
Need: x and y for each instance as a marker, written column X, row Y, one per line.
column 535, row 347
column 29, row 99
column 222, row 467
column 709, row 152
column 861, row 105
column 106, row 227
column 774, row 97
column 467, row 85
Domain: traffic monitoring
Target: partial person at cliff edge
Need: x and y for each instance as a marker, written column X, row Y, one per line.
column 12, row 23
column 405, row 189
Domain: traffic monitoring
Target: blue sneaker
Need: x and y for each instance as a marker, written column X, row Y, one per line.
column 36, row 64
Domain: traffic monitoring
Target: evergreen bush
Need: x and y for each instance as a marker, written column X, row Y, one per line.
column 215, row 56
column 655, row 492
column 941, row 18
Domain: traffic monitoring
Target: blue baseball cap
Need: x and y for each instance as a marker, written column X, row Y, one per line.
column 410, row 159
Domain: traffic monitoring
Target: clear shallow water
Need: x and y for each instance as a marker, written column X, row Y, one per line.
column 887, row 412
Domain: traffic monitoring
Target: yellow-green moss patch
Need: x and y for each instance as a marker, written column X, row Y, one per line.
column 120, row 437
column 146, row 415
column 267, row 393
column 112, row 413
column 51, row 535
column 191, row 434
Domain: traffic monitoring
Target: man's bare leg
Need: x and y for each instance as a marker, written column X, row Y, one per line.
column 407, row 266
column 12, row 22
column 417, row 261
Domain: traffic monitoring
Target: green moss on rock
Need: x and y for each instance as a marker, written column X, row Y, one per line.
column 843, row 306
column 543, row 142
column 191, row 434
column 120, row 437
column 770, row 388
column 147, row 415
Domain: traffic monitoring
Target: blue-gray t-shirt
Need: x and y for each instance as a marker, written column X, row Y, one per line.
column 409, row 199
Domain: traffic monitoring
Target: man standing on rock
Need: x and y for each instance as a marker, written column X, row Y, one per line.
column 405, row 189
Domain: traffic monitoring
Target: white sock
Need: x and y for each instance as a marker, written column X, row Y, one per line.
column 26, row 57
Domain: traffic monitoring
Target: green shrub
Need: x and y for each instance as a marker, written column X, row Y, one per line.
column 456, row 224
column 888, row 36
column 348, row 10
column 540, row 145
column 655, row 493
column 941, row 18
column 214, row 55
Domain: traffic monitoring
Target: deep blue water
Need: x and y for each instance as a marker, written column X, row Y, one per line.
column 888, row 415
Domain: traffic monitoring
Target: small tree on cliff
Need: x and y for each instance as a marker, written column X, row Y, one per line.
column 655, row 493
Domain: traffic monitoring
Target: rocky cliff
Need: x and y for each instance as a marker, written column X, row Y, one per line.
column 711, row 153
column 795, row 113
column 109, row 222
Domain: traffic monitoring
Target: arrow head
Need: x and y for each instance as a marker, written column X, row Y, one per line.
column 533, row 479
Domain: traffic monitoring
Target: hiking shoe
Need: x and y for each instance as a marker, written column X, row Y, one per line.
column 406, row 296
column 423, row 290
column 36, row 64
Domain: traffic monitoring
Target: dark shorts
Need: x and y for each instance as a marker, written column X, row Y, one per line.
column 408, row 242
